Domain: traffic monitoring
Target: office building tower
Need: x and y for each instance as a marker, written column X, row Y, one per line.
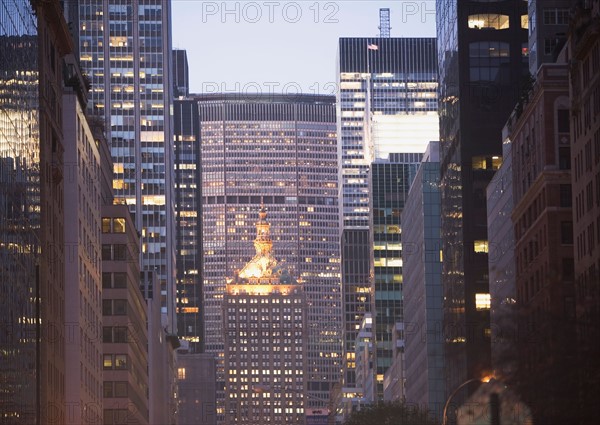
column 162, row 380
column 391, row 179
column 19, row 211
column 501, row 258
column 33, row 42
column 543, row 229
column 263, row 321
column 387, row 103
column 125, row 50
column 387, row 85
column 124, row 317
column 584, row 48
column 196, row 380
column 188, row 192
column 422, row 283
column 365, row 360
column 394, row 378
column 548, row 22
column 83, row 290
column 482, row 66
column 280, row 150
column 181, row 79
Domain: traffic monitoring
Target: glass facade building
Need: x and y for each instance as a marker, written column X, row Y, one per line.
column 188, row 192
column 482, row 67
column 501, row 258
column 33, row 42
column 387, row 104
column 282, row 151
column 390, row 182
column 19, row 210
column 125, row 49
column 422, row 284
column 381, row 92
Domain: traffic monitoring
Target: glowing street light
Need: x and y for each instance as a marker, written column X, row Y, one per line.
column 485, row 379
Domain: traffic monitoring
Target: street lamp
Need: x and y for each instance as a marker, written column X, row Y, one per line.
column 485, row 379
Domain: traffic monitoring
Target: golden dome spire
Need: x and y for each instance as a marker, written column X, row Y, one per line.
column 263, row 243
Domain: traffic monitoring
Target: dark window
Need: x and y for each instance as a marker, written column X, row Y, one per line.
column 120, row 280
column 107, row 334
column 563, row 121
column 107, row 307
column 106, row 253
column 120, row 389
column 564, row 158
column 566, row 199
column 119, row 252
column 106, row 280
column 550, row 45
column 120, row 334
column 119, row 307
column 108, row 389
column 566, row 232
column 568, row 269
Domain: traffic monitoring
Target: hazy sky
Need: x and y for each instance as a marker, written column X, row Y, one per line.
column 279, row 45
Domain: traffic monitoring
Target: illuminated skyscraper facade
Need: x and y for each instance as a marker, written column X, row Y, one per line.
column 125, row 49
column 263, row 320
column 188, row 192
column 280, row 150
column 387, row 104
column 33, row 41
column 384, row 90
column 19, row 209
column 482, row 68
column 390, row 182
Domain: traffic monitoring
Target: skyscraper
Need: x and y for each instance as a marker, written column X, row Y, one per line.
column 548, row 21
column 584, row 45
column 387, row 103
column 422, row 284
column 33, row 41
column 263, row 320
column 386, row 86
column 125, row 316
column 125, row 49
column 281, row 150
column 181, row 78
column 482, row 65
column 391, row 179
column 83, row 290
column 188, row 192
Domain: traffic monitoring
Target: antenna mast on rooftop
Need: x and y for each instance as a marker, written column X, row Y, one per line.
column 384, row 23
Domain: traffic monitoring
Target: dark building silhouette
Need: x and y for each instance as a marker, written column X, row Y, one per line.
column 188, row 216
column 584, row 51
column 181, row 81
column 482, row 65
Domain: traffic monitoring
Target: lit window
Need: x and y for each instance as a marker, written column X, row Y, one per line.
column 181, row 373
column 105, row 225
column 489, row 21
column 524, row 21
column 118, row 225
column 482, row 301
column 480, row 246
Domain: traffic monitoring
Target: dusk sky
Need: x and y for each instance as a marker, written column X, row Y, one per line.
column 281, row 46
